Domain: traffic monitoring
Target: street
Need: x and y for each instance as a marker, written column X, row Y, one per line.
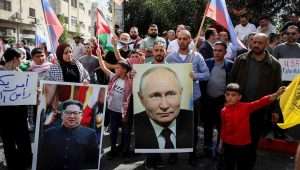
column 265, row 160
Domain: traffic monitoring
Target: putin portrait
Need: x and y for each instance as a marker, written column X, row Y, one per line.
column 163, row 126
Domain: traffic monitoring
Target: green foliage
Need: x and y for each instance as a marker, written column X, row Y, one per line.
column 65, row 35
column 169, row 13
column 166, row 14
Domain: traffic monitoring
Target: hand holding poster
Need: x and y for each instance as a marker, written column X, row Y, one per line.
column 290, row 68
column 18, row 88
column 69, row 126
column 163, row 112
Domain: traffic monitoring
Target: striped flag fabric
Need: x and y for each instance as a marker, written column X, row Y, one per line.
column 217, row 10
column 103, row 31
column 55, row 28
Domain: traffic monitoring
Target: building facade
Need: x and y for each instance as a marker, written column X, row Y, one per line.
column 19, row 19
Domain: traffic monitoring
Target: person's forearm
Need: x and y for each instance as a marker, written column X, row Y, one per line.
column 297, row 160
column 117, row 53
column 104, row 68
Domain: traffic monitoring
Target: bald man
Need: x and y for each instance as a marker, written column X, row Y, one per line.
column 258, row 73
column 163, row 124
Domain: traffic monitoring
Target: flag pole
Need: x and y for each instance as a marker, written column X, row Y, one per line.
column 47, row 29
column 201, row 26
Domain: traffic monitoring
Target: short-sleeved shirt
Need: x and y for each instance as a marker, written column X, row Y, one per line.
column 116, row 99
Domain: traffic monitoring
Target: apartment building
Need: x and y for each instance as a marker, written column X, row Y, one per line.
column 18, row 19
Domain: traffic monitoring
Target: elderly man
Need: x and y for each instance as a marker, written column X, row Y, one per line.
column 163, row 124
column 70, row 146
column 258, row 73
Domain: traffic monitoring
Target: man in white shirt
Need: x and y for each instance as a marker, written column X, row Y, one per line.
column 173, row 45
column 244, row 28
column 265, row 26
column 78, row 47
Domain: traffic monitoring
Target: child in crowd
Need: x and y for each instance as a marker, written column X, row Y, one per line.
column 235, row 127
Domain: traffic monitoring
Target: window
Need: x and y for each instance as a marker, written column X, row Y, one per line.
column 81, row 6
column 31, row 12
column 66, row 1
column 74, row 3
column 5, row 5
column 73, row 21
column 66, row 20
column 82, row 25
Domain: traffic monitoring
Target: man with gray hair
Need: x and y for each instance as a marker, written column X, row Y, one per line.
column 163, row 124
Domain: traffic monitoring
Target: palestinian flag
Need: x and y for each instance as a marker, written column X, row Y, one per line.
column 103, row 32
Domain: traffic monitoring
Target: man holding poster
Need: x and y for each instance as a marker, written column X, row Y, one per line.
column 288, row 54
column 14, row 91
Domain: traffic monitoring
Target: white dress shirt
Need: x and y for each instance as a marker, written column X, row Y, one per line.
column 243, row 31
column 161, row 140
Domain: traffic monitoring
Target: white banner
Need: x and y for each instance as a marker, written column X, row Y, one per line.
column 18, row 88
column 290, row 68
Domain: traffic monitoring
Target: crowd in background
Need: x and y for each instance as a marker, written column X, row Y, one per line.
column 216, row 63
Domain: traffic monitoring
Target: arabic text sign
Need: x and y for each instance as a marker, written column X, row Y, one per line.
column 290, row 68
column 18, row 88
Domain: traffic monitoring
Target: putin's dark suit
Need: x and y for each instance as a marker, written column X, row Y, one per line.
column 145, row 137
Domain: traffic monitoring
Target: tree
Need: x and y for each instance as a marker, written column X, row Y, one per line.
column 166, row 14
column 65, row 35
column 169, row 13
column 271, row 8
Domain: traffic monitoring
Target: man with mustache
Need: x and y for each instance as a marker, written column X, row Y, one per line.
column 148, row 42
column 163, row 124
column 258, row 73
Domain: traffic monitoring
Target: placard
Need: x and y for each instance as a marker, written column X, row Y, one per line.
column 18, row 88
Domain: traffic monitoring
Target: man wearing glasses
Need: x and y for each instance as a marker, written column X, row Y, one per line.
column 70, row 146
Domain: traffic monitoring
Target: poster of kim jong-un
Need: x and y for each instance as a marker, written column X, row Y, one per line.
column 163, row 108
column 69, row 126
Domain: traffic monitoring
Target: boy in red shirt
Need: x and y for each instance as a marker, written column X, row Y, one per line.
column 235, row 126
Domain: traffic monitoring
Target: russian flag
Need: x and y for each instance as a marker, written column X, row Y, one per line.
column 217, row 10
column 55, row 29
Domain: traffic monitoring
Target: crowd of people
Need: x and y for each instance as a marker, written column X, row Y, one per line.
column 229, row 83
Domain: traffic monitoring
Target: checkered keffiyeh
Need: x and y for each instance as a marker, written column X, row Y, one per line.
column 56, row 74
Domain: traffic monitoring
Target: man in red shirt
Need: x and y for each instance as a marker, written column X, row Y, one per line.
column 235, row 126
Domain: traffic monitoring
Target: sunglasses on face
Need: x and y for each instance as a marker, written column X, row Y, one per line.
column 69, row 113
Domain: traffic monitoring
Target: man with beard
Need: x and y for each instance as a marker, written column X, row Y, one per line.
column 258, row 73
column 173, row 45
column 148, row 42
column 244, row 28
column 200, row 73
column 135, row 38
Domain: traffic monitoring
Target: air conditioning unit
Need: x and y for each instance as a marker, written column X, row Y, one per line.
column 10, row 32
column 34, row 21
column 18, row 15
